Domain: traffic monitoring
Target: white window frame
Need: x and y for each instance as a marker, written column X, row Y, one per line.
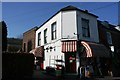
column 39, row 39
column 53, row 31
column 45, row 36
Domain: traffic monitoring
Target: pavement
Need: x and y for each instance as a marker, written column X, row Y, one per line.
column 42, row 75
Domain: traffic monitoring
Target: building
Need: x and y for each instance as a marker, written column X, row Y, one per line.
column 70, row 38
column 29, row 40
column 109, row 36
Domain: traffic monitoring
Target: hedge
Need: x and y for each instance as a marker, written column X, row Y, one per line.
column 17, row 65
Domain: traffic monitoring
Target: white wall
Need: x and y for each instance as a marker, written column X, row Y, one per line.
column 69, row 26
column 50, row 61
column 92, row 26
column 53, row 55
column 56, row 18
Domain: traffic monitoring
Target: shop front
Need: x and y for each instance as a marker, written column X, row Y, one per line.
column 93, row 57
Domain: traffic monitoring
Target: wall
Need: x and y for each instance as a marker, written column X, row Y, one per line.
column 92, row 26
column 69, row 25
column 53, row 54
column 29, row 36
column 56, row 44
column 56, row 18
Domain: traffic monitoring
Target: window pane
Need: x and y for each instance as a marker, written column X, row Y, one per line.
column 45, row 36
column 39, row 39
column 109, row 39
column 53, row 34
column 85, row 28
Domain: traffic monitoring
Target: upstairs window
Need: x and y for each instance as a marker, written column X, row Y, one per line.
column 45, row 36
column 53, row 30
column 39, row 39
column 109, row 39
column 85, row 28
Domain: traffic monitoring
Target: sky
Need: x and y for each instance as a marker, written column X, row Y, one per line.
column 22, row 16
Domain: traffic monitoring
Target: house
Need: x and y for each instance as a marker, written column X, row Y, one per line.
column 29, row 40
column 109, row 36
column 70, row 38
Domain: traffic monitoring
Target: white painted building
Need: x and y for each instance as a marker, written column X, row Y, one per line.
column 59, row 34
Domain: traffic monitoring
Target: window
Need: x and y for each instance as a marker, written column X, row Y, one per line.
column 109, row 39
column 39, row 38
column 53, row 30
column 24, row 47
column 45, row 36
column 29, row 45
column 85, row 28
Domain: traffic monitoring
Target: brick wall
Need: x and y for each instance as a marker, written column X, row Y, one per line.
column 29, row 39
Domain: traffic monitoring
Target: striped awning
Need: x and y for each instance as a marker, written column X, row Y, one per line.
column 87, row 48
column 38, row 52
column 69, row 46
column 91, row 49
column 95, row 49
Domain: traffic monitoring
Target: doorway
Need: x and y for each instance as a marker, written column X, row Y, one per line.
column 70, row 62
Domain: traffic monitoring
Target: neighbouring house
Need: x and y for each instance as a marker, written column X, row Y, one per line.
column 14, row 44
column 110, row 37
column 70, row 38
column 29, row 40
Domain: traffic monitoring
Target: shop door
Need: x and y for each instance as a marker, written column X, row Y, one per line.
column 70, row 62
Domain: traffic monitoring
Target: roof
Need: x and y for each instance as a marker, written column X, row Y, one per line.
column 70, row 8
column 35, row 28
column 110, row 28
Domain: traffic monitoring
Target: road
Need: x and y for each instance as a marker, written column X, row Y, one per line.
column 42, row 75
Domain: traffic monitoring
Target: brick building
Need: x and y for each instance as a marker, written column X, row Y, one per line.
column 29, row 39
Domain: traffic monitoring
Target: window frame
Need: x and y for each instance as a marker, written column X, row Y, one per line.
column 54, row 31
column 39, row 39
column 45, row 36
column 85, row 29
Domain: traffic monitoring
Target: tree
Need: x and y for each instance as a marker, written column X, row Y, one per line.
column 4, row 36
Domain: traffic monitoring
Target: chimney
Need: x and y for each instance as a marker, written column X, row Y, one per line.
column 86, row 11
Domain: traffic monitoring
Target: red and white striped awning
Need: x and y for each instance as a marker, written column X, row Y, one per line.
column 91, row 49
column 69, row 46
column 87, row 48
column 95, row 49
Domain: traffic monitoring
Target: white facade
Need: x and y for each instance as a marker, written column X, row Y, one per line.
column 68, row 23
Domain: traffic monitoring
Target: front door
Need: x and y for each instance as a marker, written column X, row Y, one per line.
column 70, row 62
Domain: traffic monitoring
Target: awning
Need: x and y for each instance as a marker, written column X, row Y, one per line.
column 95, row 50
column 69, row 46
column 91, row 49
column 38, row 52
